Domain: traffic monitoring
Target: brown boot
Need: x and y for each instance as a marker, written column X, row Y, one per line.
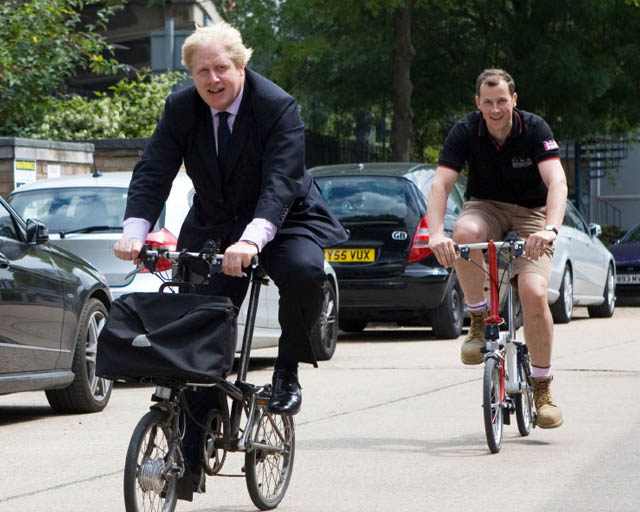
column 549, row 414
column 471, row 350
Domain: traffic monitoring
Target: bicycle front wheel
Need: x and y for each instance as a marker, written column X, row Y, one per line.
column 524, row 399
column 148, row 483
column 492, row 398
column 269, row 459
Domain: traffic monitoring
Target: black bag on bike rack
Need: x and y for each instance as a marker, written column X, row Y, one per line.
column 184, row 336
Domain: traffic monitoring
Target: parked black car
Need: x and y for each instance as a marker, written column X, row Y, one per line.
column 626, row 252
column 53, row 304
column 386, row 271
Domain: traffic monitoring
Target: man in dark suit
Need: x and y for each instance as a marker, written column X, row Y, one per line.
column 241, row 139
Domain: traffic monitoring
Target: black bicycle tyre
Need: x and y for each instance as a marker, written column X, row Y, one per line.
column 491, row 405
column 257, row 462
column 524, row 400
column 136, row 499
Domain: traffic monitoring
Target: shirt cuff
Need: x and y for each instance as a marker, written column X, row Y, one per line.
column 260, row 232
column 135, row 227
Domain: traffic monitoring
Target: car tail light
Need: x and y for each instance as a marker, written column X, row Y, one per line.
column 162, row 239
column 420, row 245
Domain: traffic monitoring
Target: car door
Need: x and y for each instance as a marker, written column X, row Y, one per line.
column 31, row 302
column 588, row 268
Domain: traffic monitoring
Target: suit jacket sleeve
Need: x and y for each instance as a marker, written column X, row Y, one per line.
column 154, row 173
column 283, row 169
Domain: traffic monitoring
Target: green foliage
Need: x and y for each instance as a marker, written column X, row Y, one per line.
column 577, row 64
column 131, row 109
column 44, row 42
column 611, row 233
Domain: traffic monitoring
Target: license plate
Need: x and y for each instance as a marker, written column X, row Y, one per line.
column 628, row 278
column 350, row 255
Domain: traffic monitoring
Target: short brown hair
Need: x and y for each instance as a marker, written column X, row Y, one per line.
column 492, row 77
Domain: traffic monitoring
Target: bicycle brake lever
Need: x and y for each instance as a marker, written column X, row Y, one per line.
column 134, row 272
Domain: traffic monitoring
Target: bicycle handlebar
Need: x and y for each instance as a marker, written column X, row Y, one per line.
column 208, row 256
column 515, row 245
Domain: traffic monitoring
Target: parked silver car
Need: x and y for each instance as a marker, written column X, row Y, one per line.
column 84, row 215
column 583, row 271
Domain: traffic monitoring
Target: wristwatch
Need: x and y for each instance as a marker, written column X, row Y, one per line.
column 550, row 227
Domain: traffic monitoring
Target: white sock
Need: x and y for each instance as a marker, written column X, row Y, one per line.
column 540, row 371
column 478, row 306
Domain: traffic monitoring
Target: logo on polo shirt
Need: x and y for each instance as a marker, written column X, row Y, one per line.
column 519, row 163
column 550, row 145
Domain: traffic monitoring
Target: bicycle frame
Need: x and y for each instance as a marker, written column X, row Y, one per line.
column 244, row 396
column 496, row 342
column 267, row 439
column 506, row 381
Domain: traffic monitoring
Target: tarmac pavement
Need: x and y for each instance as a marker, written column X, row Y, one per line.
column 392, row 423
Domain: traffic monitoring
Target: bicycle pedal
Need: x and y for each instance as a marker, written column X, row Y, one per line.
column 262, row 400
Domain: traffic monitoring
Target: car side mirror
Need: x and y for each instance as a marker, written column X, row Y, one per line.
column 595, row 229
column 37, row 232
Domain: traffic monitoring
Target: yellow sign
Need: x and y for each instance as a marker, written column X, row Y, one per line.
column 359, row 255
column 25, row 165
column 24, row 171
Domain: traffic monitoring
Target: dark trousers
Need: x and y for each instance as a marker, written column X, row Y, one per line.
column 295, row 264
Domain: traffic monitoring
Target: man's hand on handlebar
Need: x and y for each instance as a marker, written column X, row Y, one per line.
column 444, row 250
column 128, row 249
column 537, row 244
column 238, row 256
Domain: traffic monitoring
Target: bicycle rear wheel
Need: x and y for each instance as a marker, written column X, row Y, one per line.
column 492, row 397
column 148, row 483
column 269, row 460
column 524, row 400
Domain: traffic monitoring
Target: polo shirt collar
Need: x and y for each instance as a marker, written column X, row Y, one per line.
column 516, row 125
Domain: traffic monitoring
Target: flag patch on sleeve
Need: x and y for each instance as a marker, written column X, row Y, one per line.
column 550, row 145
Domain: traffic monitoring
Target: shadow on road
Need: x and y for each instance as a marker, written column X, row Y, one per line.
column 389, row 335
column 472, row 445
column 12, row 414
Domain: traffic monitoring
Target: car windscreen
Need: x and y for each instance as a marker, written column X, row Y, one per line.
column 380, row 198
column 633, row 235
column 71, row 209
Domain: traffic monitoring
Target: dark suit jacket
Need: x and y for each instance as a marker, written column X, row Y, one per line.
column 267, row 177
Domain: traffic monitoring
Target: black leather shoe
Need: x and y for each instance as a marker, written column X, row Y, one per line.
column 286, row 395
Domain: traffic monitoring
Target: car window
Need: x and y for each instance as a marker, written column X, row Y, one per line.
column 423, row 179
column 377, row 197
column 573, row 219
column 7, row 224
column 633, row 235
column 66, row 209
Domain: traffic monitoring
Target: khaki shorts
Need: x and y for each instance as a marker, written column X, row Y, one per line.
column 500, row 218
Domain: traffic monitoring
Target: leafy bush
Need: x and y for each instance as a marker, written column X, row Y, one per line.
column 130, row 109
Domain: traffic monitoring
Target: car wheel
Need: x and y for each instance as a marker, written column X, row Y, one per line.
column 324, row 336
column 562, row 309
column 87, row 392
column 447, row 318
column 352, row 325
column 605, row 310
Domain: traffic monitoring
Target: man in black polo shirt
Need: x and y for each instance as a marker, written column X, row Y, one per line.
column 515, row 183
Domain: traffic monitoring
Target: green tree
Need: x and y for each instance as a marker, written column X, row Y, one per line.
column 44, row 42
column 577, row 64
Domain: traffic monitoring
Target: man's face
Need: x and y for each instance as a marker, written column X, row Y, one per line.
column 496, row 105
column 216, row 77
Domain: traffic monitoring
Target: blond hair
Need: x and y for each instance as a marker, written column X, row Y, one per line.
column 219, row 34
